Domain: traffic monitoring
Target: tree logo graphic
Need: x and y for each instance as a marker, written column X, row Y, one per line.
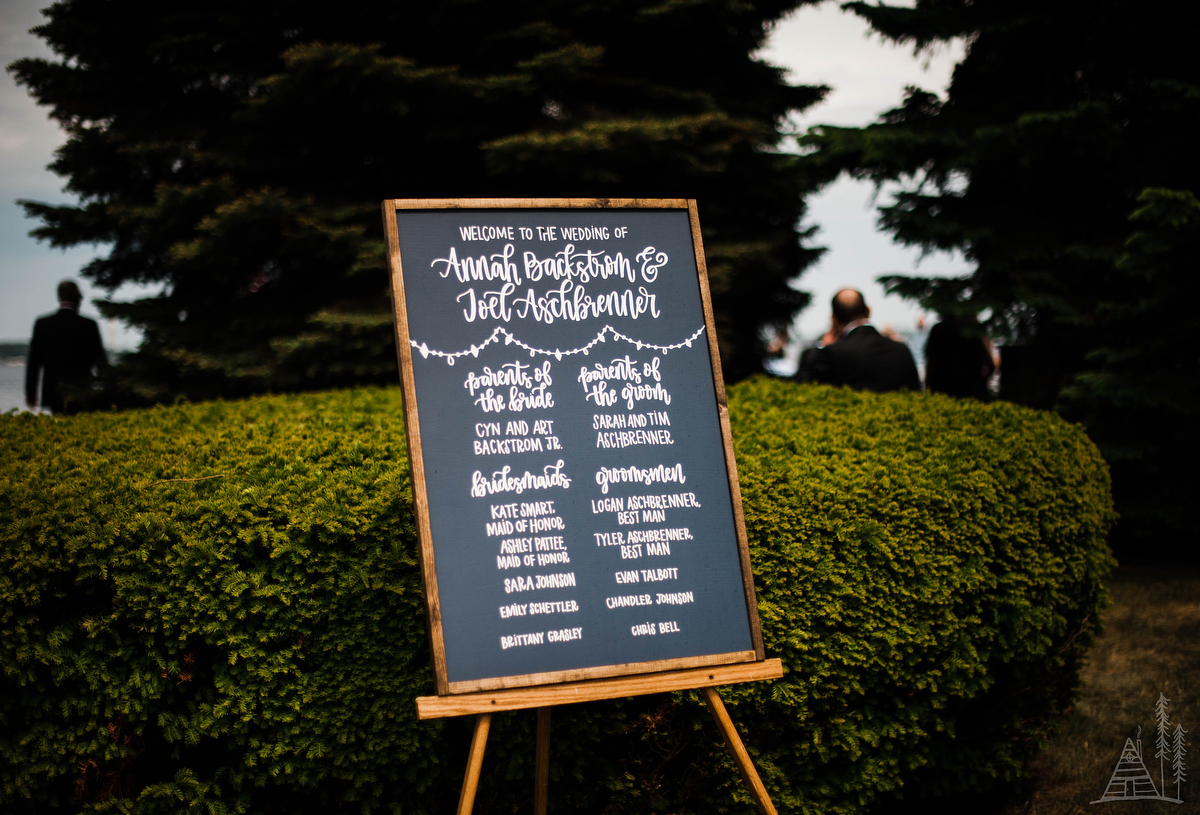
column 1131, row 781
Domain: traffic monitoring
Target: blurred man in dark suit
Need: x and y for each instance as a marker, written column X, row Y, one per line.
column 958, row 359
column 853, row 353
column 65, row 350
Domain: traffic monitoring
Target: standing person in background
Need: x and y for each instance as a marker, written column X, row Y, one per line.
column 853, row 353
column 958, row 359
column 65, row 351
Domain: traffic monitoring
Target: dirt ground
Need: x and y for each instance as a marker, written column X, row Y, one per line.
column 1150, row 645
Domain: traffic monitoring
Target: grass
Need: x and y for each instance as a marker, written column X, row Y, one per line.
column 1150, row 644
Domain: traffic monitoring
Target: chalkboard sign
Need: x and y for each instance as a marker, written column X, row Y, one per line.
column 574, row 480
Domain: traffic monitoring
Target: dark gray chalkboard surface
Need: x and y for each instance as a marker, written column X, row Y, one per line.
column 573, row 472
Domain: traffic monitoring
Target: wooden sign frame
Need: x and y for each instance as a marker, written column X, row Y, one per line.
column 484, row 698
column 416, row 459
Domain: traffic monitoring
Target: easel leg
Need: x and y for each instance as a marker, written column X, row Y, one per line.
column 541, row 777
column 466, row 799
column 734, row 742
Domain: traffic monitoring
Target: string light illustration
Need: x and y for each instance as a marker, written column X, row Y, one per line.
column 557, row 353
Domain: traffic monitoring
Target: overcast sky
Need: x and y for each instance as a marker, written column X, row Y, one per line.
column 30, row 270
column 824, row 45
column 817, row 45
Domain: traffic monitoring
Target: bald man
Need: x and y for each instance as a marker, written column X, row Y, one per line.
column 855, row 354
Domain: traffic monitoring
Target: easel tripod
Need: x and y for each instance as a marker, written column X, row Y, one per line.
column 485, row 705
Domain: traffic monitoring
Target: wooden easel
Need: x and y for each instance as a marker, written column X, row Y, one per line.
column 632, row 671
column 484, row 705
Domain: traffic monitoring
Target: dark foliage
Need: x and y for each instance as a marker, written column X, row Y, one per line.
column 237, row 153
column 1139, row 390
column 1060, row 117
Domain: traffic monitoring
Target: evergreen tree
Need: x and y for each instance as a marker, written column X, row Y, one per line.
column 237, row 153
column 1162, row 720
column 1137, row 389
column 1063, row 121
column 1177, row 762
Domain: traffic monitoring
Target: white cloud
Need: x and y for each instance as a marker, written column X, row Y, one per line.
column 824, row 45
column 28, row 137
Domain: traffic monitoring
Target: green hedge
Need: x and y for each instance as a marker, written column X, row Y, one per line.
column 218, row 606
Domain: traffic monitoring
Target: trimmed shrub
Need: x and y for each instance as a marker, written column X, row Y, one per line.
column 929, row 569
column 218, row 607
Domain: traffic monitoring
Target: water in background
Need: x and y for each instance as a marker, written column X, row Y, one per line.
column 12, row 384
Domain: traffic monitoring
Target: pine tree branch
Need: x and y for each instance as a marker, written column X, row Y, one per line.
column 170, row 480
